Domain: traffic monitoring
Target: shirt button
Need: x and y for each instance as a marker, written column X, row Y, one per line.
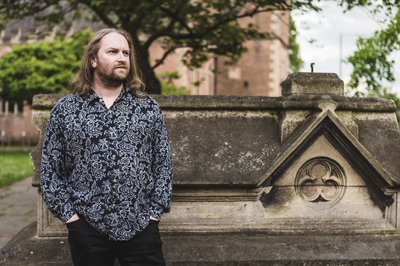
column 115, row 180
column 113, row 157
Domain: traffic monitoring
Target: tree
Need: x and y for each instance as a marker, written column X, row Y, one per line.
column 167, row 83
column 44, row 67
column 204, row 27
column 372, row 62
column 295, row 61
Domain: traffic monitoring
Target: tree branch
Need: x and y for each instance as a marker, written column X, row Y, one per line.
column 251, row 13
column 165, row 55
column 192, row 35
column 178, row 19
column 32, row 10
column 101, row 15
column 163, row 32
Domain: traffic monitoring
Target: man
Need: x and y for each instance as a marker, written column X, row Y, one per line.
column 106, row 163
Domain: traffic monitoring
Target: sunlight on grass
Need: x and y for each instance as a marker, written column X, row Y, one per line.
column 14, row 166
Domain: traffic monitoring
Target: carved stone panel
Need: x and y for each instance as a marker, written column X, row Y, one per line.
column 320, row 182
column 321, row 185
column 47, row 224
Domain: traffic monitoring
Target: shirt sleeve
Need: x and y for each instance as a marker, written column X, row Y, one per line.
column 162, row 168
column 53, row 181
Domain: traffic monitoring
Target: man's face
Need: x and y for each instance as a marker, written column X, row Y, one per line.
column 112, row 63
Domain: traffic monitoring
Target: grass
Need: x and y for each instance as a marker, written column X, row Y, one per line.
column 14, row 166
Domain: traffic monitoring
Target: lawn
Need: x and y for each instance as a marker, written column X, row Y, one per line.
column 14, row 166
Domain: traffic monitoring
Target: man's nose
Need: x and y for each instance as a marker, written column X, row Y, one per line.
column 122, row 57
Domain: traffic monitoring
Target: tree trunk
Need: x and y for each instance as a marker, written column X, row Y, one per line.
column 153, row 85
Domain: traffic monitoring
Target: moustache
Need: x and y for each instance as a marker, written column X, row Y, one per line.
column 121, row 66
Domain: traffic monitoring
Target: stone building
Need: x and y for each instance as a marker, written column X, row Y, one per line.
column 309, row 178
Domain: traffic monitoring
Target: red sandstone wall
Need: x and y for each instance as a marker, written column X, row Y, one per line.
column 264, row 66
column 258, row 72
column 17, row 128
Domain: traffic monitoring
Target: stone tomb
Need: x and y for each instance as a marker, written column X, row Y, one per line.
column 311, row 177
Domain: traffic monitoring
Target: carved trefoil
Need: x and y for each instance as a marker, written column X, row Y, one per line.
column 320, row 182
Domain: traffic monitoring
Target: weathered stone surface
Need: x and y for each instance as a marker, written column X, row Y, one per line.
column 289, row 121
column 248, row 247
column 39, row 118
column 222, row 148
column 26, row 249
column 254, row 248
column 291, row 102
column 313, row 83
column 205, row 102
column 242, row 135
column 45, row 101
column 379, row 133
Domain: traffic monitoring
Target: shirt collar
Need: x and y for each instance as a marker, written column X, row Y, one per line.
column 91, row 96
column 124, row 95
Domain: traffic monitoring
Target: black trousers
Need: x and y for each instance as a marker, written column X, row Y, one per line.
column 89, row 247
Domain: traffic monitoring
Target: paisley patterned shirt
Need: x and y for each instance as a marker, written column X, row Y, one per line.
column 111, row 166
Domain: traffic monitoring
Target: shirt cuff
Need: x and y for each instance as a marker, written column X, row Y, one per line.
column 67, row 215
column 67, row 212
column 156, row 212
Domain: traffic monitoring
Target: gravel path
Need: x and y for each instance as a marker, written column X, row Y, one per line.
column 17, row 208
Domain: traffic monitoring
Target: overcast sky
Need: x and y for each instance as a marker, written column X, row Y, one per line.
column 335, row 34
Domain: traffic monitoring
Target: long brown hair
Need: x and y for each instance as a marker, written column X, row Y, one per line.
column 83, row 80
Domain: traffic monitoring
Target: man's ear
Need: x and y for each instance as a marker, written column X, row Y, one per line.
column 93, row 61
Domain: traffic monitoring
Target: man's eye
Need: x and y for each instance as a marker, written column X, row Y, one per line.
column 112, row 52
column 126, row 53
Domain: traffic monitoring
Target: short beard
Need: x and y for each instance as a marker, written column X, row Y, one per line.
column 112, row 80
